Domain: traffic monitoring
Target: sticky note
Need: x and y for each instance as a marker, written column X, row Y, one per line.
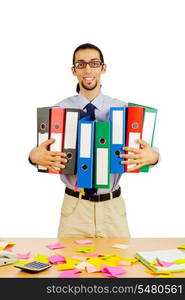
column 83, row 242
column 41, row 258
column 181, row 247
column 120, row 246
column 69, row 274
column 55, row 246
column 23, row 255
column 179, row 261
column 56, row 259
column 86, row 249
column 113, row 271
column 67, row 266
column 4, row 245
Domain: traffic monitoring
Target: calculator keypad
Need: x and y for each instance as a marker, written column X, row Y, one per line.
column 36, row 265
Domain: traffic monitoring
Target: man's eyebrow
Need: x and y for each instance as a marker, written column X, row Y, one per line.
column 82, row 60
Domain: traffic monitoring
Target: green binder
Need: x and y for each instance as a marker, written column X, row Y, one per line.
column 102, row 155
column 149, row 122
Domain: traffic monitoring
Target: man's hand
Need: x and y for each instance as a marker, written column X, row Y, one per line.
column 140, row 157
column 49, row 159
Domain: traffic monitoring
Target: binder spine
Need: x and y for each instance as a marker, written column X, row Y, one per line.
column 43, row 129
column 118, row 133
column 85, row 154
column 57, row 131
column 134, row 130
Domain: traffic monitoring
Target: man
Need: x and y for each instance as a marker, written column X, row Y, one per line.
column 98, row 213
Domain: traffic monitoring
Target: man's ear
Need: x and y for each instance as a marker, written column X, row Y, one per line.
column 73, row 71
column 104, row 68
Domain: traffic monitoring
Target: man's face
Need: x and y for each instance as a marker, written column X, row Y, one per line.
column 88, row 77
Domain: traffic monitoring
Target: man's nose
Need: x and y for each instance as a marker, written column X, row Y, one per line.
column 87, row 68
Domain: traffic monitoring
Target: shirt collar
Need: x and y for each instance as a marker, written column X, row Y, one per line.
column 97, row 101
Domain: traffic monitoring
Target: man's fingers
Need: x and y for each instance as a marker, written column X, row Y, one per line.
column 130, row 162
column 130, row 149
column 57, row 159
column 47, row 143
column 52, row 164
column 133, row 156
column 55, row 153
column 143, row 143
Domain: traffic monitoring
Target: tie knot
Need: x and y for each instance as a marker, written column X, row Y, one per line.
column 90, row 107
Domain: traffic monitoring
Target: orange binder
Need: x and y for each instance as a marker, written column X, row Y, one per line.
column 135, row 117
column 57, row 129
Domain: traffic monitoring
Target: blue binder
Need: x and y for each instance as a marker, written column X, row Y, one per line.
column 85, row 153
column 118, row 135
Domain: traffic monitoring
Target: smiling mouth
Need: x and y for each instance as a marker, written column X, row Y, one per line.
column 88, row 79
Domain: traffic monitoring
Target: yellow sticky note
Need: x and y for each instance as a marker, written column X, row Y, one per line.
column 72, row 261
column 82, row 191
column 22, row 262
column 3, row 245
column 167, row 276
column 110, row 263
column 132, row 260
column 157, row 273
column 41, row 258
column 96, row 261
column 108, row 256
column 86, row 250
column 111, row 260
column 181, row 247
column 179, row 261
column 67, row 266
column 6, row 244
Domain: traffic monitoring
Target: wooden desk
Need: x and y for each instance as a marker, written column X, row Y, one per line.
column 101, row 245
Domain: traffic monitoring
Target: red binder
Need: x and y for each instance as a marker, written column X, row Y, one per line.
column 57, row 129
column 135, row 117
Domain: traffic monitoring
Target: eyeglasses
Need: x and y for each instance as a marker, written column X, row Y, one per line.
column 92, row 64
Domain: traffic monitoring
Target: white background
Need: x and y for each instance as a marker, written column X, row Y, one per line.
column 143, row 45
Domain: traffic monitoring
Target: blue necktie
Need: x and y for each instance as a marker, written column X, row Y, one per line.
column 90, row 111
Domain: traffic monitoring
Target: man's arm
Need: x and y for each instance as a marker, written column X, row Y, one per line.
column 146, row 155
column 49, row 159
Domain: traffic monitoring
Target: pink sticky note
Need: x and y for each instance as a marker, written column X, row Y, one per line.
column 93, row 255
column 56, row 258
column 82, row 258
column 69, row 274
column 113, row 271
column 9, row 250
column 23, row 255
column 75, row 187
column 83, row 242
column 55, row 246
column 164, row 264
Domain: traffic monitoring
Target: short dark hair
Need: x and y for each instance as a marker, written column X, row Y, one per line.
column 83, row 47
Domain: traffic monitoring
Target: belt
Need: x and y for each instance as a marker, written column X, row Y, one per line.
column 94, row 198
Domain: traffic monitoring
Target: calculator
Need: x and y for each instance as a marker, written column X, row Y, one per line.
column 33, row 267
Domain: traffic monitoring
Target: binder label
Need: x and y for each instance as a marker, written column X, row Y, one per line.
column 85, row 147
column 102, row 166
column 57, row 145
column 71, row 130
column 117, row 129
column 148, row 126
column 133, row 137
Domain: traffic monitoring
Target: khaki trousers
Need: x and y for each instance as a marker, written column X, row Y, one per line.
column 83, row 218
